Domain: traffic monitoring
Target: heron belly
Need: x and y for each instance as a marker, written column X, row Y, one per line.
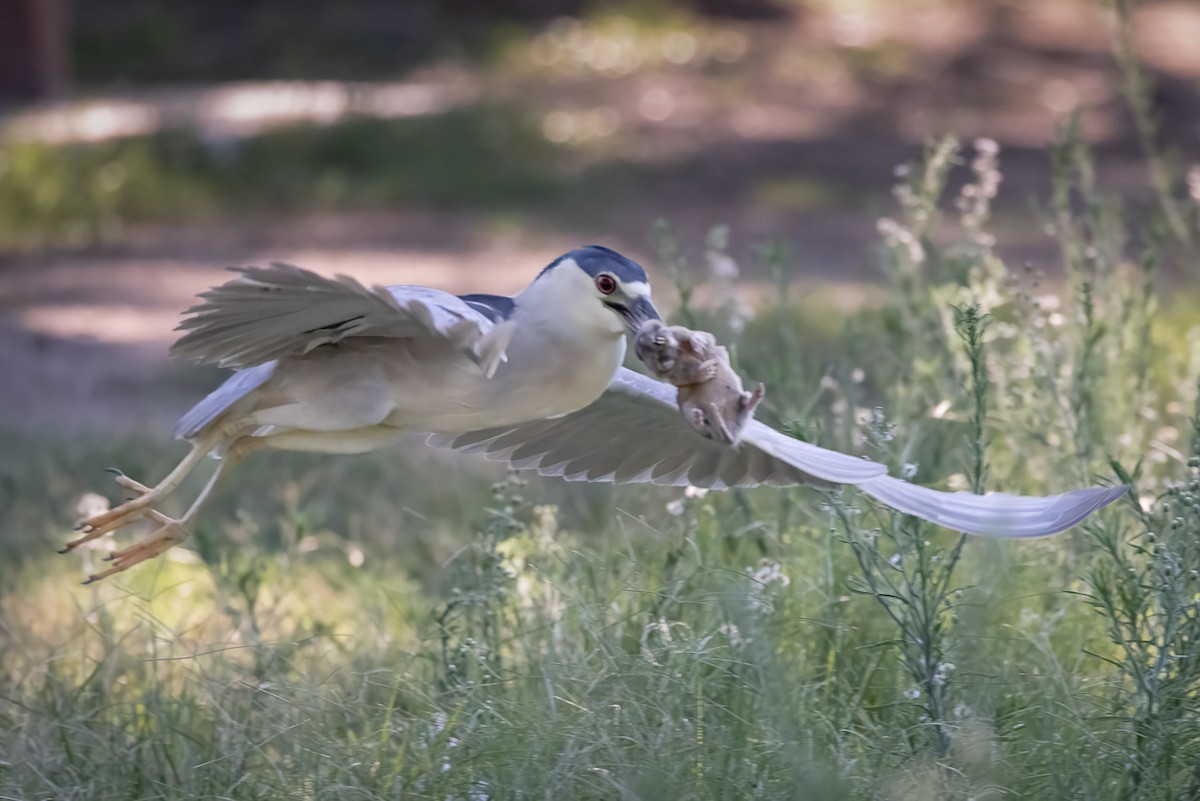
column 350, row 441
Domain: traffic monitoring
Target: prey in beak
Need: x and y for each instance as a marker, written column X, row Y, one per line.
column 635, row 311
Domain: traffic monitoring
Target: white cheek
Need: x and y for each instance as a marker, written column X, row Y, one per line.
column 613, row 322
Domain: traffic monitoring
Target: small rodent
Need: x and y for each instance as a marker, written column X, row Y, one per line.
column 709, row 393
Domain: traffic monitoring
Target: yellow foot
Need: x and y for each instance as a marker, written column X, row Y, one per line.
column 133, row 509
column 171, row 532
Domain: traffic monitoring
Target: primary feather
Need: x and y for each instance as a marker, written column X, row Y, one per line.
column 999, row 514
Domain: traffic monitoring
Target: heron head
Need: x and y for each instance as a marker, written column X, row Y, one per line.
column 619, row 285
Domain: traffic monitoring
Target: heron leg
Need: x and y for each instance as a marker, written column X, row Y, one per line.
column 170, row 531
column 146, row 497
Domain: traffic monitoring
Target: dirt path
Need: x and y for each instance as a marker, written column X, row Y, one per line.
column 85, row 336
column 796, row 141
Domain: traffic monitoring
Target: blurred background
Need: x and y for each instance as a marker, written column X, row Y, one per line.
column 145, row 145
column 407, row 624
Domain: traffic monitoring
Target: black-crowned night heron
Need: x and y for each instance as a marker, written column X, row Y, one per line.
column 534, row 380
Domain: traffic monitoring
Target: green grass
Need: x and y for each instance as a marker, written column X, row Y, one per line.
column 406, row 626
column 401, row 626
column 476, row 157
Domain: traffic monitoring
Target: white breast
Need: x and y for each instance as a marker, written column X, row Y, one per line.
column 544, row 376
column 565, row 350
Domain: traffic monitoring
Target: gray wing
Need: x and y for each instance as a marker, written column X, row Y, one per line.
column 634, row 434
column 278, row 311
column 221, row 399
column 996, row 515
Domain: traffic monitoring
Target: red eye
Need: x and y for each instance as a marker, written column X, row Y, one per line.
column 606, row 283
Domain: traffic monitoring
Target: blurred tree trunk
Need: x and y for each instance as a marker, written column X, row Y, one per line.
column 33, row 48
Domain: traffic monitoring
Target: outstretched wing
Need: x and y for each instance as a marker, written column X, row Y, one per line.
column 268, row 313
column 634, row 434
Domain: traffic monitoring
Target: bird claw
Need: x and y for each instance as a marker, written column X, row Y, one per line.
column 119, row 517
column 169, row 534
column 141, row 507
column 129, row 484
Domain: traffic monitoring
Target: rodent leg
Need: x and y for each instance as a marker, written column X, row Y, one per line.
column 718, row 425
column 750, row 400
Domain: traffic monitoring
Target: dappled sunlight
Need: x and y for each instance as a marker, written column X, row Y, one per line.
column 179, row 614
column 1166, row 35
column 102, row 323
column 506, row 269
column 250, row 108
column 85, row 121
column 231, row 110
column 133, row 303
column 937, row 231
column 613, row 45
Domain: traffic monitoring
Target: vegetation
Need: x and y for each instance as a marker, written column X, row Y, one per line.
column 479, row 157
column 403, row 625
column 382, row 627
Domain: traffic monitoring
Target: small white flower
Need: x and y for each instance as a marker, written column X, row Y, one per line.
column 944, row 669
column 909, row 471
column 722, row 267
column 675, row 507
column 1048, row 302
column 897, row 235
column 91, row 505
column 769, row 572
column 1193, row 183
column 732, row 632
column 694, row 492
column 987, row 147
column 895, row 561
column 912, row 694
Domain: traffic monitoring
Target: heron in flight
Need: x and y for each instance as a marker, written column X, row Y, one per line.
column 534, row 380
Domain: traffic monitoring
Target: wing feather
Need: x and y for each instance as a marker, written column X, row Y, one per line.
column 221, row 399
column 998, row 514
column 269, row 313
column 634, row 434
